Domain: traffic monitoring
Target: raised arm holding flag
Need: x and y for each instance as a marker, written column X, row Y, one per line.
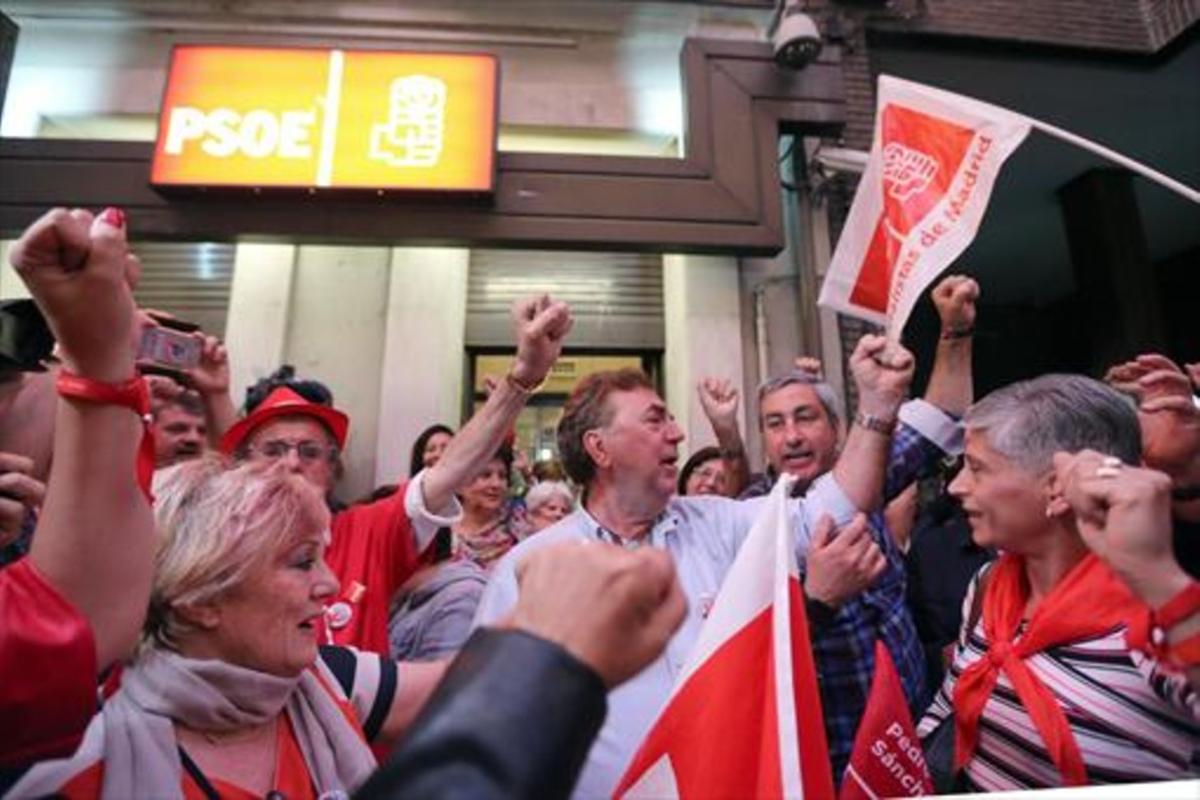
column 920, row 200
column 927, row 182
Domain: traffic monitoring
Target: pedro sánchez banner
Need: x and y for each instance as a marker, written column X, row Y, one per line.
column 309, row 118
column 922, row 196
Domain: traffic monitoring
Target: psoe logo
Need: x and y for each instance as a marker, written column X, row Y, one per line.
column 224, row 132
column 416, row 124
column 906, row 171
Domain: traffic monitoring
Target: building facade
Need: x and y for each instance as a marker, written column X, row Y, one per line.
column 403, row 329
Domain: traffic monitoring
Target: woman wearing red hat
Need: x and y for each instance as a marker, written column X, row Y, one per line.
column 376, row 546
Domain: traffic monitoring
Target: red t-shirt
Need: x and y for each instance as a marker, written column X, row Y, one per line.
column 291, row 776
column 47, row 669
column 373, row 551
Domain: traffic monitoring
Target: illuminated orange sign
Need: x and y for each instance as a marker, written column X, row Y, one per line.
column 267, row 117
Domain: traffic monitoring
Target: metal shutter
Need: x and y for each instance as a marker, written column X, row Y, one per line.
column 616, row 298
column 191, row 281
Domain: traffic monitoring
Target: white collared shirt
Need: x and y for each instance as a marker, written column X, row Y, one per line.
column 702, row 534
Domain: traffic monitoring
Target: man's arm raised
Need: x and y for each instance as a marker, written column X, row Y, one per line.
column 542, row 325
column 882, row 378
column 950, row 383
column 719, row 399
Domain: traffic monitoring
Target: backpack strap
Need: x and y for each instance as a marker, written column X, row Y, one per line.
column 981, row 585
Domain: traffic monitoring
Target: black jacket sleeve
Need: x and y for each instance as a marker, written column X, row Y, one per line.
column 514, row 716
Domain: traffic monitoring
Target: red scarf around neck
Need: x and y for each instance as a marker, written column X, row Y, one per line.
column 1088, row 601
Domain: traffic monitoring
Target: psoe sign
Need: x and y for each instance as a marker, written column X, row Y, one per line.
column 272, row 117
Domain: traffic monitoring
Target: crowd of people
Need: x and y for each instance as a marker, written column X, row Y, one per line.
column 191, row 610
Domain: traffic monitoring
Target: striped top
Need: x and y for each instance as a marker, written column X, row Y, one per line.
column 1133, row 719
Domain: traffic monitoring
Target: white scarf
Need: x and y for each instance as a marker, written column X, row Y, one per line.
column 135, row 737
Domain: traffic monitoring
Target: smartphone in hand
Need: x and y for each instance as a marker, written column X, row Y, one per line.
column 168, row 351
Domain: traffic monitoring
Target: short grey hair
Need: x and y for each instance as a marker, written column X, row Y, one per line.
column 1029, row 421
column 541, row 493
column 825, row 393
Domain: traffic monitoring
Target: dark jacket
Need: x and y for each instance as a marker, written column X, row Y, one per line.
column 942, row 559
column 514, row 717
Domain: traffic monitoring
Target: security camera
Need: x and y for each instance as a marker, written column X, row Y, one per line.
column 841, row 159
column 794, row 36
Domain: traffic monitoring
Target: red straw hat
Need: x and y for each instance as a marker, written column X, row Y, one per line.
column 283, row 402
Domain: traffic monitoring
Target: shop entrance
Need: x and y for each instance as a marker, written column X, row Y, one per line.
column 341, row 285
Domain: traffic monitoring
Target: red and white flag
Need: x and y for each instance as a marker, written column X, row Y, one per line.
column 745, row 717
column 920, row 200
column 887, row 759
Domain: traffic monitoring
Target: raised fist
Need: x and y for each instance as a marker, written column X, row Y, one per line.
column 542, row 325
column 882, row 375
column 81, row 274
column 611, row 608
column 720, row 401
column 954, row 298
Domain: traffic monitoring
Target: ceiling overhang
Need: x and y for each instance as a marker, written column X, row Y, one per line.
column 723, row 196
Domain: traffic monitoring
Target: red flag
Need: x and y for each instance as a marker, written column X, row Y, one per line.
column 887, row 760
column 921, row 198
column 732, row 726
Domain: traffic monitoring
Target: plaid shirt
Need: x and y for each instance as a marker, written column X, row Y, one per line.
column 843, row 642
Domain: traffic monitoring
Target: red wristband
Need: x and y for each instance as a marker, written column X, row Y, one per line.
column 1185, row 654
column 1184, row 604
column 132, row 394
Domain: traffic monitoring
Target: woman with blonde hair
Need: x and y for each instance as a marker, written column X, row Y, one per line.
column 231, row 694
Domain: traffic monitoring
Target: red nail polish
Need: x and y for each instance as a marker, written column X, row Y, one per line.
column 113, row 216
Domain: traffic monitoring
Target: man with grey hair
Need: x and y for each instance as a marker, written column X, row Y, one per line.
column 800, row 416
column 854, row 587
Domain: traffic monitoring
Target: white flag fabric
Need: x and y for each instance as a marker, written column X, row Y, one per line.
column 732, row 727
column 933, row 162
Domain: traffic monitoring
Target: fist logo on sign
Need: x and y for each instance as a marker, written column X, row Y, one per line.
column 412, row 136
column 906, row 172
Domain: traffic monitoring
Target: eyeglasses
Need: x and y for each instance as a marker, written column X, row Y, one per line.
column 306, row 451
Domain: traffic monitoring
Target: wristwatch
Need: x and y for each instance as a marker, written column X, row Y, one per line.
column 874, row 423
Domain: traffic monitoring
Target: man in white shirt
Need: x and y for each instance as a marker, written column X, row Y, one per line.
column 618, row 440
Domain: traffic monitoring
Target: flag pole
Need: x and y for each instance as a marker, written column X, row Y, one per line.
column 1100, row 150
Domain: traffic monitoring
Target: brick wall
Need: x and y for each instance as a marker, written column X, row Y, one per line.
column 1100, row 24
column 1117, row 26
column 1166, row 19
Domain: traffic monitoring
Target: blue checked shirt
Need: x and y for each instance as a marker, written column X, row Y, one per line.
column 844, row 642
